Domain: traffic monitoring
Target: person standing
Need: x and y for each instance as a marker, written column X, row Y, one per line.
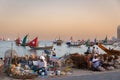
column 97, row 51
column 53, row 53
column 1, row 64
column 88, row 50
column 93, row 51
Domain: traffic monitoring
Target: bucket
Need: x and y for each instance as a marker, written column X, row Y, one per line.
column 58, row 72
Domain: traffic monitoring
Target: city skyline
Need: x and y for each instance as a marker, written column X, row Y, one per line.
column 118, row 32
column 49, row 19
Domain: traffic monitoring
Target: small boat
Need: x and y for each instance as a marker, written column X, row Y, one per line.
column 42, row 48
column 116, row 44
column 107, row 42
column 34, row 45
column 73, row 43
column 89, row 43
column 58, row 42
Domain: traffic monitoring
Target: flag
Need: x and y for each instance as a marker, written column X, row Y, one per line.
column 87, row 42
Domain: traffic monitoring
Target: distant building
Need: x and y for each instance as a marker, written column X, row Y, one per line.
column 118, row 32
column 114, row 38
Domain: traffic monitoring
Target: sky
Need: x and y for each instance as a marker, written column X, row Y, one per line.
column 49, row 19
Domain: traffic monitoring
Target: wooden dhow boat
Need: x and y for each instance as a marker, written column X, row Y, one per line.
column 111, row 51
column 34, row 45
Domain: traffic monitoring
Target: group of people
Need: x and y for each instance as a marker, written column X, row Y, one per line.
column 93, row 51
column 39, row 64
column 95, row 61
column 101, row 62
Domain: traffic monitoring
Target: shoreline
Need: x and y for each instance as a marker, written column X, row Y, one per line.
column 84, row 73
column 76, row 73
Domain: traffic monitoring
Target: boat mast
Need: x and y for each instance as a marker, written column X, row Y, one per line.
column 11, row 53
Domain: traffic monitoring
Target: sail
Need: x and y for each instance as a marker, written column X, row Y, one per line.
column 33, row 43
column 24, row 40
column 59, row 37
column 87, row 42
column 95, row 41
column 71, row 39
column 18, row 41
column 105, row 41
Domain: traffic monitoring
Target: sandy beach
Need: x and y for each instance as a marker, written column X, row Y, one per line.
column 77, row 74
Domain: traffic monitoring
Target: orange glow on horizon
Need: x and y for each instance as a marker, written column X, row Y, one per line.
column 49, row 19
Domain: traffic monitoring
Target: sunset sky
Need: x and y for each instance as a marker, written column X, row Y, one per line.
column 48, row 19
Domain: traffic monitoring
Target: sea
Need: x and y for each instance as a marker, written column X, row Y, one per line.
column 59, row 50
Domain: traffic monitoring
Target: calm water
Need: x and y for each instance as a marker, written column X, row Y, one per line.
column 60, row 50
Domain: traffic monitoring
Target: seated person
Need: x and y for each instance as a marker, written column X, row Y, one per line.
column 42, row 64
column 97, row 63
column 35, row 65
column 53, row 53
